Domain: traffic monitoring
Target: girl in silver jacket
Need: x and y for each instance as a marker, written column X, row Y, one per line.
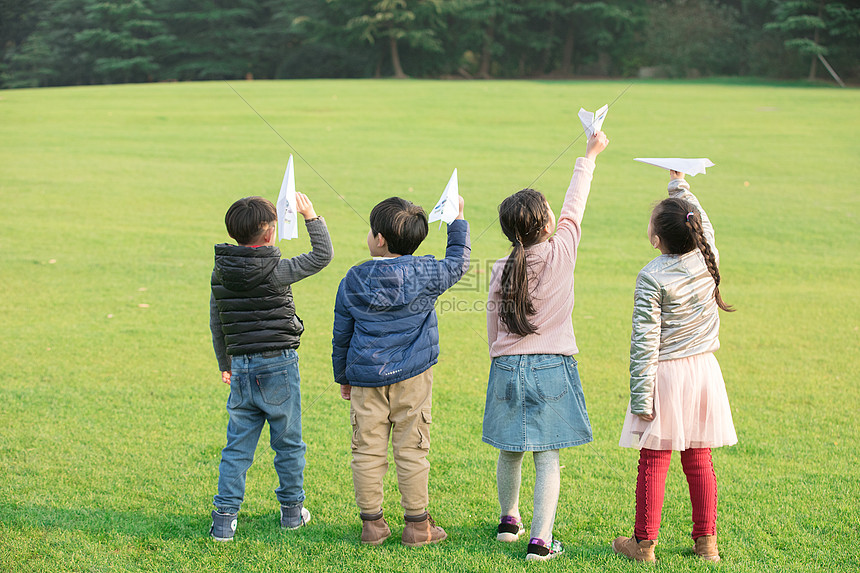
column 678, row 398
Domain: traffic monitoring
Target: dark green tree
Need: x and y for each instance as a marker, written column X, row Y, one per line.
column 693, row 38
column 49, row 55
column 123, row 40
column 395, row 22
column 814, row 28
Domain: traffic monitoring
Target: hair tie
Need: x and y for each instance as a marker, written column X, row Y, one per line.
column 688, row 216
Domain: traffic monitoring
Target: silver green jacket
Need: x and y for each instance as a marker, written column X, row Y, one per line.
column 675, row 314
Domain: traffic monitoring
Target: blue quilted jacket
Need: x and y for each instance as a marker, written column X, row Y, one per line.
column 385, row 328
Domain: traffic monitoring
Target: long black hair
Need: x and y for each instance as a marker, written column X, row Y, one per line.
column 522, row 216
column 679, row 225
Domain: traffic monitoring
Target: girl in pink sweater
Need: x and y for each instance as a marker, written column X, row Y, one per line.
column 534, row 396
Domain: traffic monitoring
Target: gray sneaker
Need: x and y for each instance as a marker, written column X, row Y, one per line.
column 223, row 526
column 294, row 516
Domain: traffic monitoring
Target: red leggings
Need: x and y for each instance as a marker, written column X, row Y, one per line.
column 650, row 489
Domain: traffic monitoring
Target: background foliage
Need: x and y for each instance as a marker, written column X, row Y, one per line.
column 74, row 42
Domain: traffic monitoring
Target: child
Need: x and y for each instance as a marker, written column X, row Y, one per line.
column 534, row 396
column 678, row 398
column 386, row 340
column 255, row 332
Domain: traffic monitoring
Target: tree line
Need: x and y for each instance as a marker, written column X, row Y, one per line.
column 76, row 42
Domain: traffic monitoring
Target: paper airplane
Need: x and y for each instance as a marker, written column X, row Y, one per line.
column 448, row 206
column 592, row 122
column 288, row 221
column 689, row 166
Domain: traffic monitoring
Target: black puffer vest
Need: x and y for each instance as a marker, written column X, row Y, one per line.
column 256, row 314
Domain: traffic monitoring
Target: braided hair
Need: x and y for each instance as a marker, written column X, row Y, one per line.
column 679, row 225
column 522, row 217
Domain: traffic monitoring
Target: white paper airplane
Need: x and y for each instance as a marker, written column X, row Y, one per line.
column 448, row 206
column 592, row 122
column 288, row 221
column 689, row 166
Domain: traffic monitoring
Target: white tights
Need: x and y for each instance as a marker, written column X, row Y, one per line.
column 547, row 485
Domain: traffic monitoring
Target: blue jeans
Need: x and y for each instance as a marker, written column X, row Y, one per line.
column 263, row 388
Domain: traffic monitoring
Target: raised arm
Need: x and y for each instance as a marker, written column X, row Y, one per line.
column 680, row 188
column 644, row 344
column 297, row 268
column 568, row 230
column 457, row 254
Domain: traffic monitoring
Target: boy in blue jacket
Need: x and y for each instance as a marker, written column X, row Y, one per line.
column 386, row 340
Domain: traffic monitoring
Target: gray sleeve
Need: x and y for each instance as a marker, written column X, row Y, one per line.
column 297, row 268
column 218, row 343
column 680, row 188
column 644, row 344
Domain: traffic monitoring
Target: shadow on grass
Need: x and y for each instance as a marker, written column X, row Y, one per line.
column 316, row 538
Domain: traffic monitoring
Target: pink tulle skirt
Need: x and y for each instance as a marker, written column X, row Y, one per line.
column 691, row 408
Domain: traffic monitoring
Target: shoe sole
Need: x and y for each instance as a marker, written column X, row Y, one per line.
column 507, row 537
column 423, row 543
column 221, row 539
column 536, row 557
column 377, row 542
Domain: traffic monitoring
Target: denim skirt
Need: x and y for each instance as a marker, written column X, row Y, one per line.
column 535, row 403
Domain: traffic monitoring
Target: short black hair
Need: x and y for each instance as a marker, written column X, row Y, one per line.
column 247, row 219
column 402, row 223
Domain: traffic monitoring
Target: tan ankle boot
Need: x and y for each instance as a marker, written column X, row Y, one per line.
column 374, row 529
column 421, row 530
column 706, row 548
column 642, row 551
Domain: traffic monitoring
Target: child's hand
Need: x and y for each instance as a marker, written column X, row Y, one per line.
column 304, row 206
column 345, row 391
column 462, row 204
column 225, row 377
column 596, row 144
column 646, row 417
column 675, row 175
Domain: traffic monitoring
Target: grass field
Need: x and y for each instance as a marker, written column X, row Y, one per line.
column 111, row 405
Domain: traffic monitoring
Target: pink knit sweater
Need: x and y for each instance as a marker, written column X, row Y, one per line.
column 551, row 265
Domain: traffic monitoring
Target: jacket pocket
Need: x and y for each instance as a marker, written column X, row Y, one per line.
column 551, row 378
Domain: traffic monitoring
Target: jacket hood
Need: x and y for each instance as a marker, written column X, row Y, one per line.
column 243, row 268
column 387, row 284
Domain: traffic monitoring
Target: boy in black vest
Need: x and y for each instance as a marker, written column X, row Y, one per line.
column 255, row 332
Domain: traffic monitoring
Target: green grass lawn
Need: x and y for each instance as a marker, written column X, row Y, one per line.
column 111, row 405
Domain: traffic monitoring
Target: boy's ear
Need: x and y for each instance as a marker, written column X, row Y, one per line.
column 269, row 235
column 380, row 241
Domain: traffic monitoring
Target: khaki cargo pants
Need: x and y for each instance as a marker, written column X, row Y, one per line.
column 401, row 410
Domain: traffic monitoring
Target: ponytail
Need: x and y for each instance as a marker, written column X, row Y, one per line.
column 517, row 303
column 522, row 217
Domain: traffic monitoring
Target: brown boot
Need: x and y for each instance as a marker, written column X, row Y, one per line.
column 642, row 551
column 421, row 530
column 374, row 529
column 706, row 548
